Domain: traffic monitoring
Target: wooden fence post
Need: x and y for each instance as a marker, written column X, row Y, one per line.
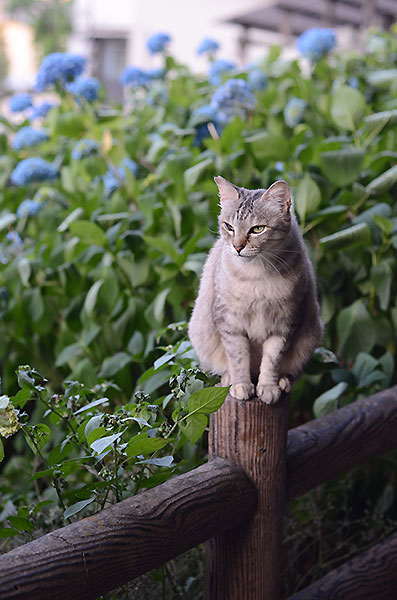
column 244, row 563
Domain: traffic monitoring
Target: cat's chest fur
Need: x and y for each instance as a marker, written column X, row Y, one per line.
column 250, row 297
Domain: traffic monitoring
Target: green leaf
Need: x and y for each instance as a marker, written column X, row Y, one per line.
column 88, row 232
column 328, row 402
column 194, row 426
column 342, row 167
column 92, row 424
column 103, row 443
column 73, row 216
column 356, row 330
column 25, row 269
column 267, row 146
column 6, row 532
column 77, row 507
column 347, row 107
column 95, row 433
column 21, row 524
column 373, row 124
column 144, row 445
column 307, row 197
column 384, row 182
column 381, row 278
column 25, row 381
column 136, row 343
column 114, row 364
column 36, row 305
column 231, row 134
column 382, row 77
column 69, row 124
column 165, row 246
column 364, row 365
column 1, row 450
column 207, row 400
column 91, row 297
column 356, row 235
column 386, row 225
column 7, row 220
column 155, row 311
column 39, row 436
column 41, row 505
column 193, row 174
column 99, row 401
column 164, row 461
column 68, row 353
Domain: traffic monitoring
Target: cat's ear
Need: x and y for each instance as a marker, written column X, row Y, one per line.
column 279, row 192
column 227, row 191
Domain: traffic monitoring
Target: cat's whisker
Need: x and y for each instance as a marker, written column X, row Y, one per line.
column 282, row 262
column 266, row 261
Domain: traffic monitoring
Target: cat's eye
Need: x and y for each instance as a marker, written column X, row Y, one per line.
column 227, row 226
column 258, row 229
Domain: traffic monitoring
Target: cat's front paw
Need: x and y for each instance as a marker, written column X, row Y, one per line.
column 242, row 391
column 285, row 384
column 269, row 394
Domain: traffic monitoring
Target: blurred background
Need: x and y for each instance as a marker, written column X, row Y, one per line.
column 112, row 34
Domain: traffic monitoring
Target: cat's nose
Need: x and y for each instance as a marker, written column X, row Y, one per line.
column 239, row 248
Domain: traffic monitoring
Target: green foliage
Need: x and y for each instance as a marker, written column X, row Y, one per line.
column 90, row 282
column 50, row 21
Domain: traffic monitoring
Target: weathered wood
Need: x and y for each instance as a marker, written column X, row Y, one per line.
column 372, row 575
column 244, row 563
column 331, row 445
column 97, row 554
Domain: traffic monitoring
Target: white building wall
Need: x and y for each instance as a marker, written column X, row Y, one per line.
column 186, row 21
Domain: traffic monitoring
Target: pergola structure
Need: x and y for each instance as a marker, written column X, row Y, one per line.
column 292, row 17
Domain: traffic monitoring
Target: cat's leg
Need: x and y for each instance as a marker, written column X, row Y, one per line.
column 238, row 357
column 268, row 388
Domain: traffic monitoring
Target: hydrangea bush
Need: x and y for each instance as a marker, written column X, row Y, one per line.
column 104, row 228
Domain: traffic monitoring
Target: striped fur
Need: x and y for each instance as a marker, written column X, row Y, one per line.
column 256, row 318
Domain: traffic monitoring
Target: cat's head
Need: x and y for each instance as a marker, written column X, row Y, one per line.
column 252, row 221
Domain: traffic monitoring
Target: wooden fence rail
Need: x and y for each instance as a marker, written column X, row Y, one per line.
column 235, row 501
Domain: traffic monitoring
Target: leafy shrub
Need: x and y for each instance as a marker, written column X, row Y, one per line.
column 104, row 229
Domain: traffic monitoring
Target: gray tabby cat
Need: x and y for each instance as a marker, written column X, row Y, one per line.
column 256, row 316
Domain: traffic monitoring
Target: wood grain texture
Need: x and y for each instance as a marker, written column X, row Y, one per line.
column 371, row 575
column 244, row 563
column 97, row 554
column 331, row 445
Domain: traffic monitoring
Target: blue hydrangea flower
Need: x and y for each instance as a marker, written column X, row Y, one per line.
column 28, row 208
column 257, row 79
column 20, row 102
column 293, row 111
column 207, row 46
column 155, row 73
column 316, row 42
column 27, row 137
column 203, row 114
column 112, row 180
column 219, row 68
column 233, row 98
column 135, row 76
column 41, row 110
column 354, row 83
column 85, row 87
column 157, row 42
column 84, row 148
column 33, row 169
column 59, row 67
column 15, row 239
